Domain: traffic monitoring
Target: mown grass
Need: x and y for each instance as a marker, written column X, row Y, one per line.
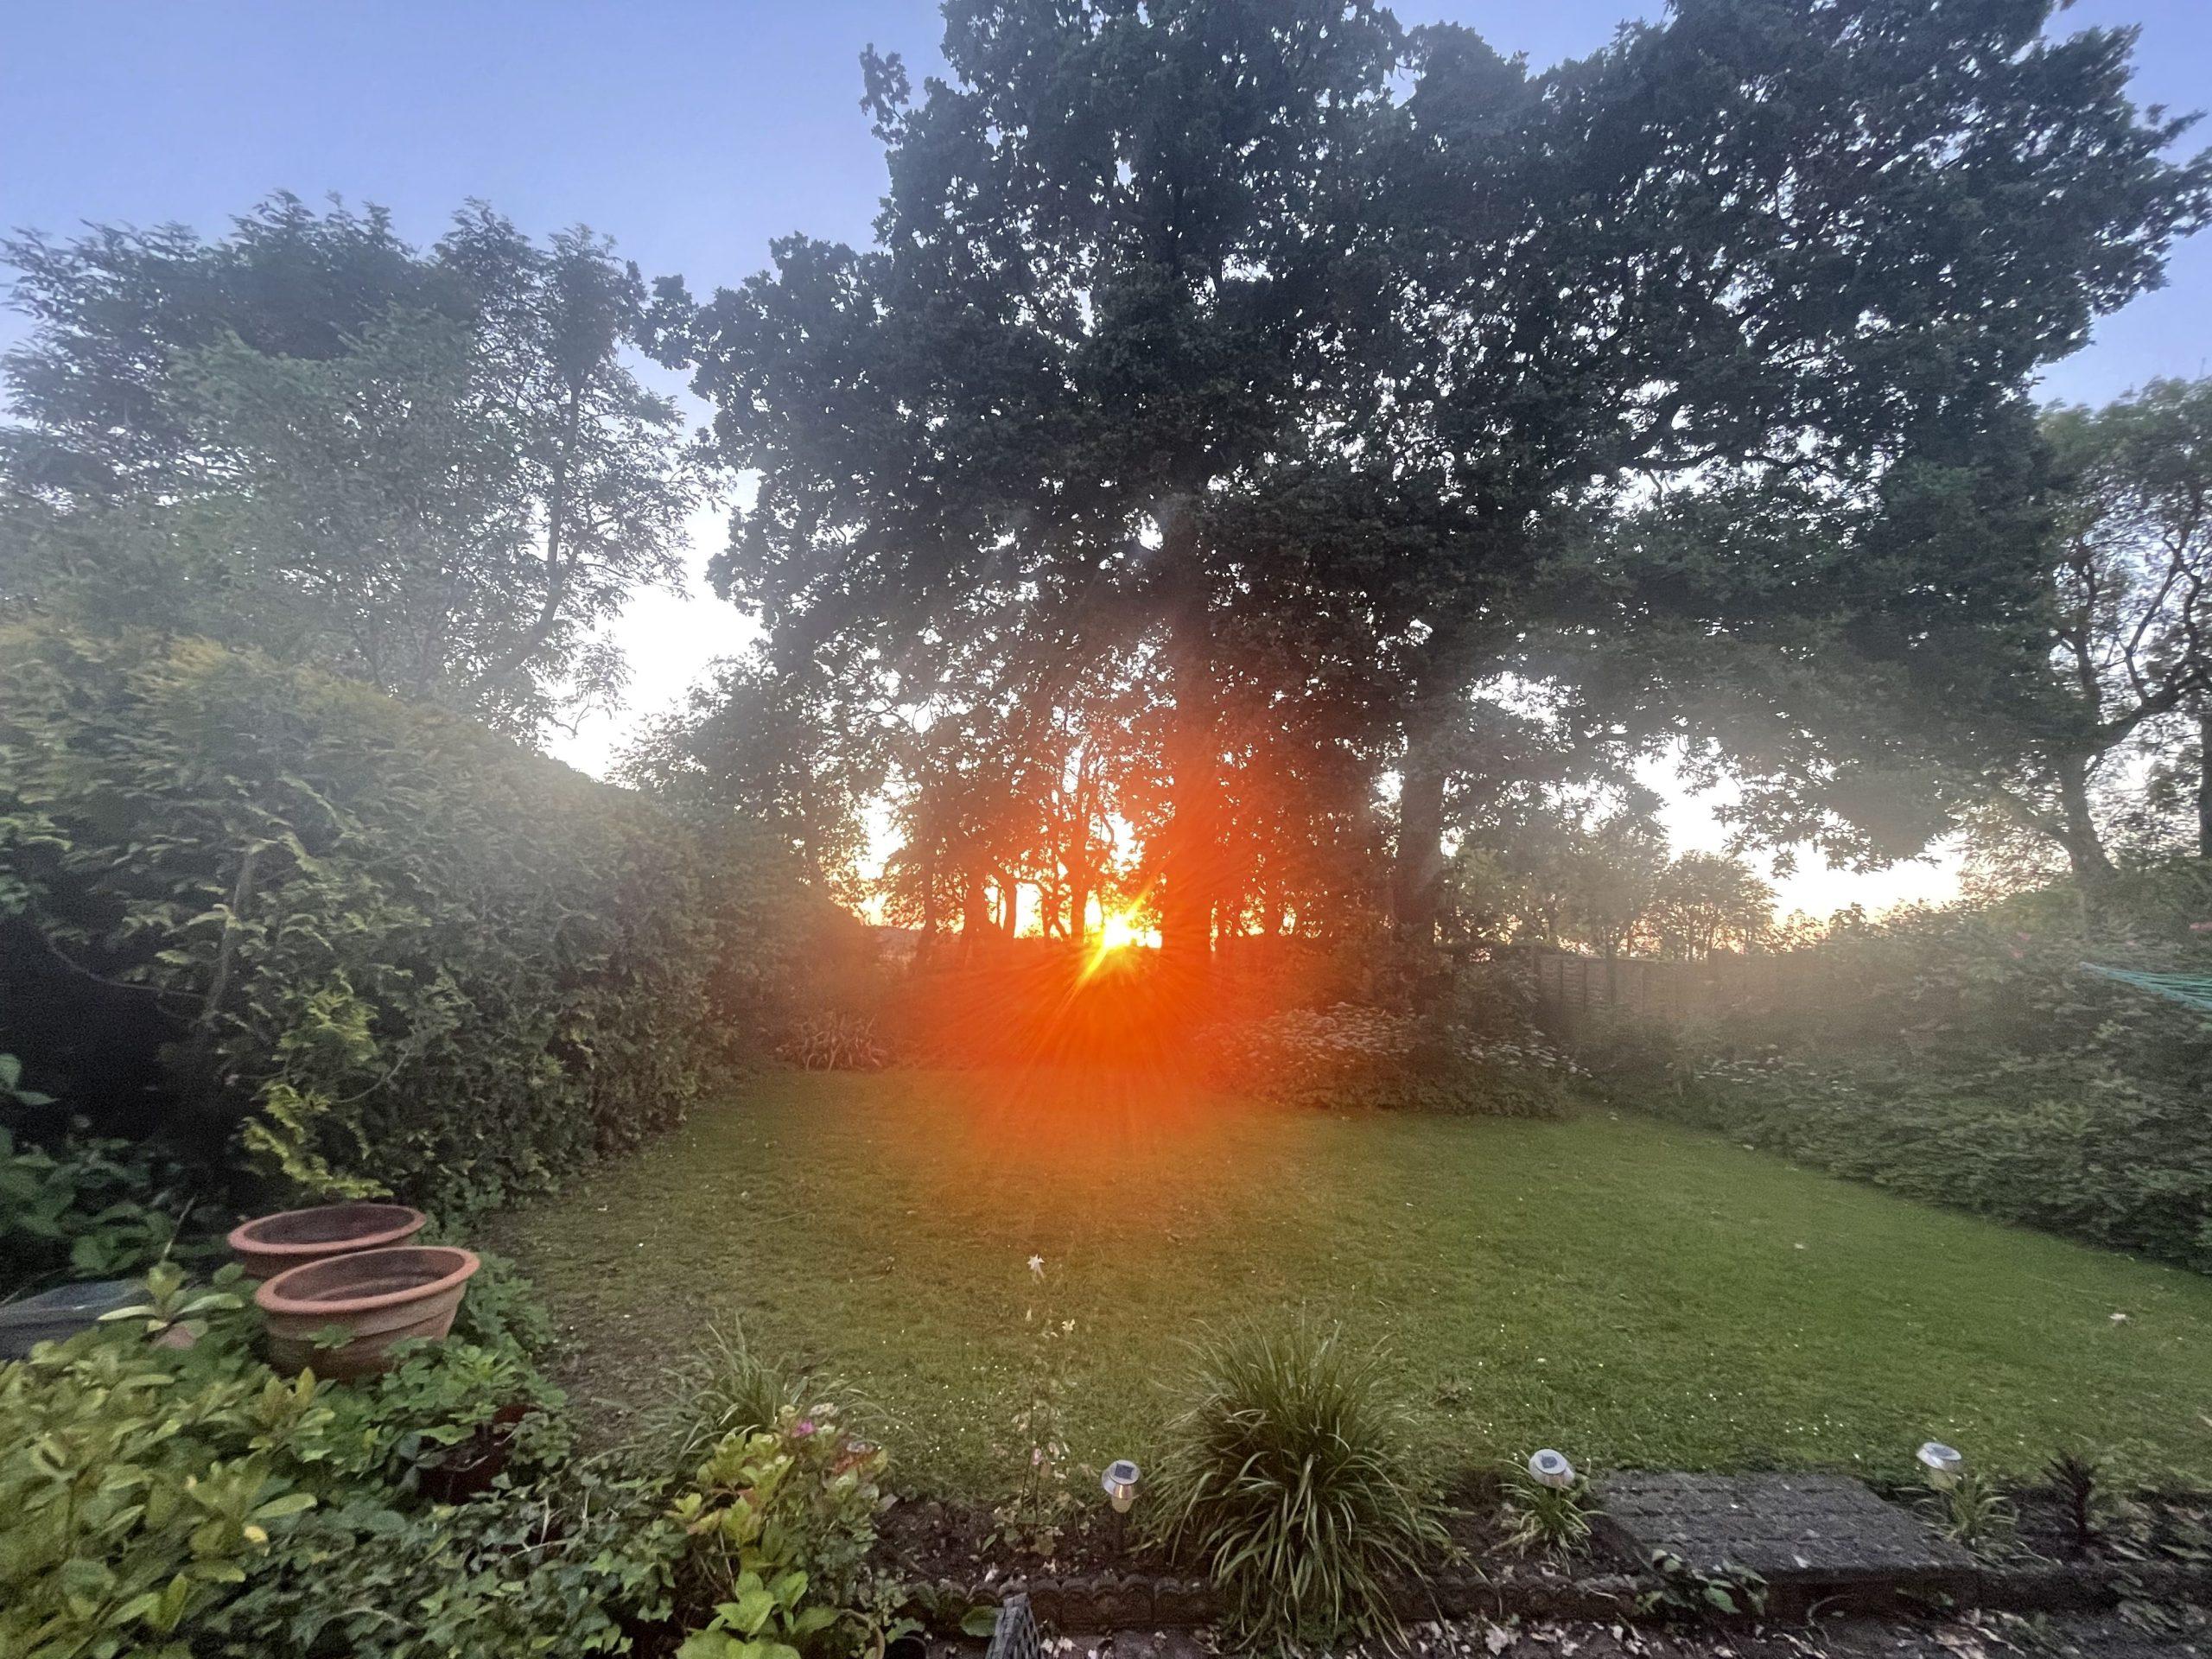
column 1635, row 1293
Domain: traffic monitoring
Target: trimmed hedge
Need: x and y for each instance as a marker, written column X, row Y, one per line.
column 271, row 917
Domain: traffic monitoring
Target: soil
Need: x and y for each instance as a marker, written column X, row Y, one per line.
column 2132, row 1633
column 930, row 1539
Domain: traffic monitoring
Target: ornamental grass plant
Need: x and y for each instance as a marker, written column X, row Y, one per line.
column 1290, row 1476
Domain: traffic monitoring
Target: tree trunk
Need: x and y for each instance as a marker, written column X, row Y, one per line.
column 925, row 947
column 2085, row 849
column 975, row 914
column 1190, row 851
column 2204, row 780
column 1432, row 711
column 1078, row 904
column 1417, row 875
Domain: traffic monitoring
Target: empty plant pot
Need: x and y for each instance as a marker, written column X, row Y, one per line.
column 375, row 1297
column 267, row 1245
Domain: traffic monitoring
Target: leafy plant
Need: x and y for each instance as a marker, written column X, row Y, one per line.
column 781, row 1523
column 1973, row 1511
column 1681, row 1594
column 160, row 1501
column 835, row 1042
column 1289, row 1477
column 175, row 1308
column 2075, row 1480
column 1552, row 1519
column 11, row 1085
column 570, row 1565
column 502, row 1311
column 138, row 1485
column 438, row 1397
column 93, row 1207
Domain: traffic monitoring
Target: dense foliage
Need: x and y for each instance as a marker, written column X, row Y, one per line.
column 433, row 471
column 1349, row 1057
column 167, row 1500
column 370, row 946
column 1965, row 1057
column 164, row 1497
column 781, row 1522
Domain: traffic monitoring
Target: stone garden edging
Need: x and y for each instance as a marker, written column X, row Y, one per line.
column 1903, row 1568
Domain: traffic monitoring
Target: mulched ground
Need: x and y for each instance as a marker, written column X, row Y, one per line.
column 2132, row 1633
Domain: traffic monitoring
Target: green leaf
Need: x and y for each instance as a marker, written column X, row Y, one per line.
column 752, row 1611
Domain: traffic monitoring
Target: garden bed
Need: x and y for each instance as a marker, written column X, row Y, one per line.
column 1821, row 1547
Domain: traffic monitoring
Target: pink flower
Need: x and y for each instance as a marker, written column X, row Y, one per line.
column 2200, row 927
column 802, row 1428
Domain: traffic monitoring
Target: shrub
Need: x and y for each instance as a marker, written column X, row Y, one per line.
column 96, row 1208
column 1290, row 1478
column 138, row 1487
column 370, row 946
column 834, row 1042
column 1352, row 1056
column 574, row 1564
column 1964, row 1057
column 780, row 1522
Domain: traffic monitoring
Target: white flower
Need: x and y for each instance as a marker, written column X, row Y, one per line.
column 1036, row 1266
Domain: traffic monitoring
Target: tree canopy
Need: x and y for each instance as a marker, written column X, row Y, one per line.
column 432, row 471
column 1271, row 361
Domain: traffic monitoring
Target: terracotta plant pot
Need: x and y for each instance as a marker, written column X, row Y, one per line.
column 267, row 1245
column 378, row 1297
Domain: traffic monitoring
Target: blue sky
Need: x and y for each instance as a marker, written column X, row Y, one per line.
column 692, row 132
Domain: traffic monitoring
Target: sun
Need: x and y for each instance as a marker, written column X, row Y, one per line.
column 1118, row 929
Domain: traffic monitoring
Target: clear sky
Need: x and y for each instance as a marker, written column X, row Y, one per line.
column 693, row 132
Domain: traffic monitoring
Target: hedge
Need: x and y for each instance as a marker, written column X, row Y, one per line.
column 288, row 925
column 1968, row 1060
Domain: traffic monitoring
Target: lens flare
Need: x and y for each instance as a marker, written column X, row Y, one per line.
column 1118, row 929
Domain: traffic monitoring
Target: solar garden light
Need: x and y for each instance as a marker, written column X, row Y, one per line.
column 1119, row 1483
column 1550, row 1468
column 1944, row 1464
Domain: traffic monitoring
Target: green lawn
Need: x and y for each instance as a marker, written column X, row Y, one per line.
column 1635, row 1293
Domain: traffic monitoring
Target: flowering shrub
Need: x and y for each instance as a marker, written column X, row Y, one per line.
column 1038, row 1501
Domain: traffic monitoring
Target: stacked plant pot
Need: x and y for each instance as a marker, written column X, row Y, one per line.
column 342, row 1283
